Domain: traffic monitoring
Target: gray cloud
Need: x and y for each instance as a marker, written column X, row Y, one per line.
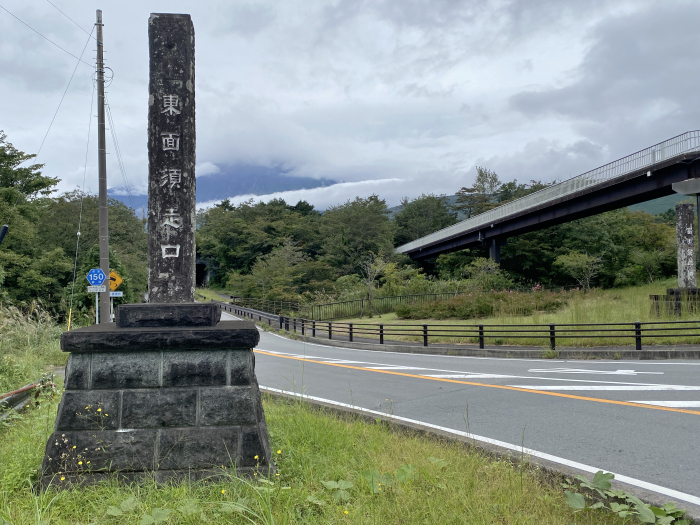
column 390, row 90
column 635, row 86
column 246, row 19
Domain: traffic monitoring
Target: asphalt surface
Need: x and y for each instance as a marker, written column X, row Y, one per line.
column 638, row 419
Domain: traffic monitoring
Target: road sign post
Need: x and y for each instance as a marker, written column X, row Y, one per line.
column 96, row 277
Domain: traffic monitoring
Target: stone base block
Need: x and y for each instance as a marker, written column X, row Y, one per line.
column 139, row 402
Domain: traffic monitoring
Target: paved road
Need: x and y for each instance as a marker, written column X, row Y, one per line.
column 639, row 419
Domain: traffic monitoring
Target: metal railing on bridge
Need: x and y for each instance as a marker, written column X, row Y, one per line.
column 666, row 150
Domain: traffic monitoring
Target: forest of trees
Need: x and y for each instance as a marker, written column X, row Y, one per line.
column 38, row 253
column 277, row 250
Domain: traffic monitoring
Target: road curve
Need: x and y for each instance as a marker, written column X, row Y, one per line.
column 638, row 419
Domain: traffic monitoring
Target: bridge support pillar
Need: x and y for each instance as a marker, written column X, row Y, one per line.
column 495, row 249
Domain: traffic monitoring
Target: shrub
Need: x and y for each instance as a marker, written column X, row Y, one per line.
column 485, row 304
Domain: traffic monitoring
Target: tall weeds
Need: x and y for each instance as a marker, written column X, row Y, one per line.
column 29, row 341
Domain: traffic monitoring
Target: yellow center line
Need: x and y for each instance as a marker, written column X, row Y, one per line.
column 502, row 387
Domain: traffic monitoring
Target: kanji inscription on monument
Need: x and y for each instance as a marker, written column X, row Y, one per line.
column 171, row 159
column 686, row 246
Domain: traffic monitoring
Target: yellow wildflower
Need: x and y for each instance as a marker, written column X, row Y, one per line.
column 346, row 512
column 223, row 491
column 63, row 478
column 80, row 462
column 256, row 456
column 279, row 451
column 99, row 410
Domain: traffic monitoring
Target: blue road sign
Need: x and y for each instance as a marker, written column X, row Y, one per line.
column 96, row 277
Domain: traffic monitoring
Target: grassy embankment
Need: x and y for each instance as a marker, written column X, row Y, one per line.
column 620, row 305
column 441, row 482
column 29, row 342
column 209, row 293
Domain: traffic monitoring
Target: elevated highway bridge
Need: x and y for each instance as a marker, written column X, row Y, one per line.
column 645, row 175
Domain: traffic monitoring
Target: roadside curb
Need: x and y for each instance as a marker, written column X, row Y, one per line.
column 552, row 469
column 609, row 353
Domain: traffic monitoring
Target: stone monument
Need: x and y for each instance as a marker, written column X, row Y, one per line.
column 687, row 291
column 170, row 391
column 685, row 240
column 171, row 160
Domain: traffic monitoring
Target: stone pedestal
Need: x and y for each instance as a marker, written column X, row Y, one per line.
column 675, row 301
column 168, row 391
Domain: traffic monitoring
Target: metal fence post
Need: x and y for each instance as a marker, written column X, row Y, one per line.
column 552, row 337
column 481, row 336
column 350, row 332
column 294, row 322
column 302, row 327
column 425, row 335
column 286, row 324
column 330, row 330
column 638, row 335
column 381, row 334
column 313, row 328
column 281, row 321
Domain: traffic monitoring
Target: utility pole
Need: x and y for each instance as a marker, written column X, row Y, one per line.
column 102, row 163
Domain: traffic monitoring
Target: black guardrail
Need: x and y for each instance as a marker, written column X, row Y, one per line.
column 635, row 332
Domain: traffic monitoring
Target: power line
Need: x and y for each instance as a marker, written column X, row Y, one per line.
column 82, row 197
column 69, row 18
column 117, row 150
column 47, row 39
column 64, row 93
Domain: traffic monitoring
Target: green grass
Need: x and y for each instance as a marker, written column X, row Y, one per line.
column 28, row 343
column 458, row 485
column 210, row 294
column 621, row 305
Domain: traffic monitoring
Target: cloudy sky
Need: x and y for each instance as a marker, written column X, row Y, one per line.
column 393, row 97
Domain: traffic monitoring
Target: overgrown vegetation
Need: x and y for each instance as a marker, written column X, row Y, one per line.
column 29, row 341
column 623, row 305
column 479, row 305
column 331, row 470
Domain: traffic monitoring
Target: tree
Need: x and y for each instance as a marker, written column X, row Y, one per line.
column 59, row 219
column 421, row 216
column 581, row 266
column 27, row 180
column 280, row 270
column 486, row 274
column 353, row 230
column 481, row 196
column 371, row 267
column 511, row 191
column 649, row 261
column 234, row 237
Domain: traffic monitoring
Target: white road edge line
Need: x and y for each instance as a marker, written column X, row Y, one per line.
column 671, row 404
column 689, row 498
